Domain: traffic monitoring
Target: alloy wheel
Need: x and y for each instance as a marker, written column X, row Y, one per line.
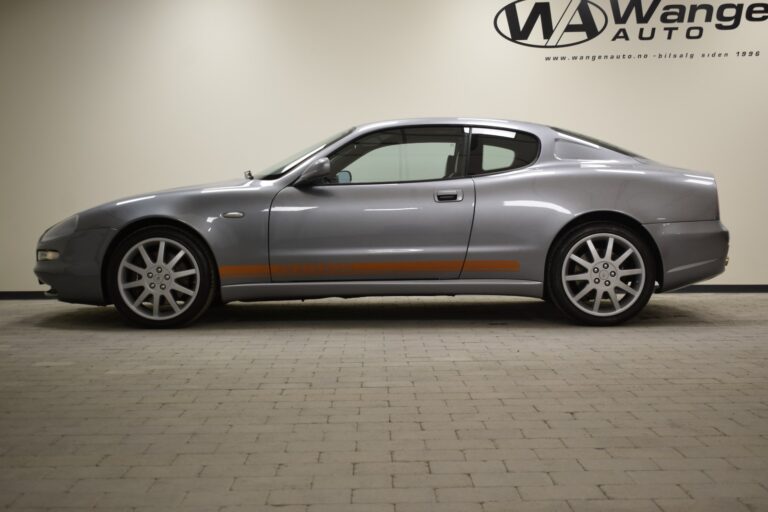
column 603, row 274
column 158, row 278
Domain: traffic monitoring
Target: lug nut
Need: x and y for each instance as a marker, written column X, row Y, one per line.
column 597, row 281
column 605, row 266
column 152, row 285
column 159, row 269
column 162, row 287
column 613, row 274
column 595, row 270
column 167, row 277
column 149, row 275
column 607, row 283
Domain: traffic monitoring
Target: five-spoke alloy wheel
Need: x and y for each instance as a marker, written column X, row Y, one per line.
column 160, row 277
column 601, row 274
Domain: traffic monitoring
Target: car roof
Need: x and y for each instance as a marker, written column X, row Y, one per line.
column 461, row 121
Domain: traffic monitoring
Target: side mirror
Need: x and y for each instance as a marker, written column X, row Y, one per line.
column 320, row 168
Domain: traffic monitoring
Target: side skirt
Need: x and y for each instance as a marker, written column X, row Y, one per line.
column 346, row 289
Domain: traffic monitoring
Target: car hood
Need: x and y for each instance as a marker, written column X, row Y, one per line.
column 177, row 202
column 189, row 189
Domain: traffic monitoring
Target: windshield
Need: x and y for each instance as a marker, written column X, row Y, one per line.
column 275, row 171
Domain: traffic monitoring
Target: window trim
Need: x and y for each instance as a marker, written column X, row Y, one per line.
column 462, row 174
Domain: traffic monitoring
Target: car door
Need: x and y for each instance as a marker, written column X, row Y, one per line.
column 510, row 214
column 397, row 207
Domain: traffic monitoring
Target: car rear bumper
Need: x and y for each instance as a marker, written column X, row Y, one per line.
column 690, row 251
column 76, row 275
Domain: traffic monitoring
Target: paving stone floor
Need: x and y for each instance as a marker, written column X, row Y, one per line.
column 387, row 405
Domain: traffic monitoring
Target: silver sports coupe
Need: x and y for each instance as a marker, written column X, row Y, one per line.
column 412, row 207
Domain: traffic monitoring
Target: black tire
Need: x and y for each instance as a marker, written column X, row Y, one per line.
column 602, row 281
column 194, row 257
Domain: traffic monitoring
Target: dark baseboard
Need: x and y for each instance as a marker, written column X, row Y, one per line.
column 23, row 296
column 724, row 288
column 697, row 288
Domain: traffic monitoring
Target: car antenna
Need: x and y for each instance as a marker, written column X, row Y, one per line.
column 248, row 175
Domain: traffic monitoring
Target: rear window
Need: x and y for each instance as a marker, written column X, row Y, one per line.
column 598, row 142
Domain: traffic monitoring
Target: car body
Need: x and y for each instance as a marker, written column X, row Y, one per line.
column 411, row 207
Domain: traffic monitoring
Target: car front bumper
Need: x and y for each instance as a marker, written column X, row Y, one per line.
column 690, row 251
column 76, row 275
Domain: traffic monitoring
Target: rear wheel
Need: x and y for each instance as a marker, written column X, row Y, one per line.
column 160, row 277
column 601, row 274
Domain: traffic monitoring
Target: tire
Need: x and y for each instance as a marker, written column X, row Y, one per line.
column 161, row 277
column 582, row 269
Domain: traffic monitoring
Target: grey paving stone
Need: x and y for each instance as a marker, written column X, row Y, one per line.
column 387, row 405
column 308, row 496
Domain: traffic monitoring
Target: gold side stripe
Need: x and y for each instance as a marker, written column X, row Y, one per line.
column 326, row 269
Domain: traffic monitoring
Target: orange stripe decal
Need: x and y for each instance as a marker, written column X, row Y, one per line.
column 492, row 266
column 235, row 271
column 360, row 268
column 324, row 269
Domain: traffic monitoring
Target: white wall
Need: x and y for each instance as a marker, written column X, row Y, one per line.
column 104, row 98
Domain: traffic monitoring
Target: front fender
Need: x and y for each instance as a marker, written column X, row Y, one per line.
column 236, row 241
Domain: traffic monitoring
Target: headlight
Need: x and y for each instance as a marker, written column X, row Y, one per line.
column 47, row 255
column 63, row 228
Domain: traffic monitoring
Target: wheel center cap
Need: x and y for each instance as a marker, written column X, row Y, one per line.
column 606, row 274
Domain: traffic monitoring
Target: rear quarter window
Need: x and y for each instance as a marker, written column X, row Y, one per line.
column 494, row 150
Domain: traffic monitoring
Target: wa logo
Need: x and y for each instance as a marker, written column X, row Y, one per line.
column 551, row 24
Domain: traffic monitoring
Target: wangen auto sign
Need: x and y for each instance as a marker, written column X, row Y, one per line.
column 562, row 23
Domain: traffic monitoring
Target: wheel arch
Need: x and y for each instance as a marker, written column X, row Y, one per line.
column 155, row 221
column 607, row 216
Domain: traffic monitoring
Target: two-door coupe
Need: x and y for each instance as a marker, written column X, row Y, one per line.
column 413, row 207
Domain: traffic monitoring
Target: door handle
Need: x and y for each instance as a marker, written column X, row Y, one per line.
column 448, row 196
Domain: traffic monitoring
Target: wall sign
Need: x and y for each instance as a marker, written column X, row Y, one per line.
column 566, row 23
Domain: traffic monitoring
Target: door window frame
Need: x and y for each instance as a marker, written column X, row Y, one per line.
column 461, row 174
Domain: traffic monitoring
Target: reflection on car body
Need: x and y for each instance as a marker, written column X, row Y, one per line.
column 412, row 207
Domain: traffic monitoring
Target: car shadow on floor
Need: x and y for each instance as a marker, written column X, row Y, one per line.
column 384, row 314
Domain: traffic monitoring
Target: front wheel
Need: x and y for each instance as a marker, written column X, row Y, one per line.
column 601, row 274
column 160, row 277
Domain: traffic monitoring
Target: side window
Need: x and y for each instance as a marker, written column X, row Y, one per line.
column 399, row 155
column 501, row 150
column 496, row 158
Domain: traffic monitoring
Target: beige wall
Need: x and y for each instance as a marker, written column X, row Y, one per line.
column 101, row 99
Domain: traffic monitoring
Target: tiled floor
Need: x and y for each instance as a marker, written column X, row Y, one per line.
column 391, row 405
